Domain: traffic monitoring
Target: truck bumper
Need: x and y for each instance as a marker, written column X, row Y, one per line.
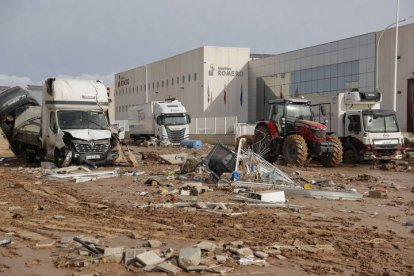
column 93, row 159
column 372, row 155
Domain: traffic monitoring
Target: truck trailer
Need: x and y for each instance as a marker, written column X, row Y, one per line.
column 167, row 120
column 366, row 131
column 70, row 126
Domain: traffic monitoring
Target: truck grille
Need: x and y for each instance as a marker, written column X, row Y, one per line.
column 92, row 146
column 175, row 136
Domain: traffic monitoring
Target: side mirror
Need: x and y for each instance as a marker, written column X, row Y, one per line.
column 188, row 118
column 158, row 120
column 275, row 109
column 323, row 110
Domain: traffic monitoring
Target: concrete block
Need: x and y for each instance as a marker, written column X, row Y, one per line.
column 236, row 243
column 168, row 268
column 207, row 246
column 114, row 254
column 221, row 259
column 281, row 257
column 154, row 243
column 242, row 252
column 189, row 256
column 261, row 255
column 130, row 255
column 149, row 258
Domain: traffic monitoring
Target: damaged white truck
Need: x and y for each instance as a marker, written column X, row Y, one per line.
column 69, row 127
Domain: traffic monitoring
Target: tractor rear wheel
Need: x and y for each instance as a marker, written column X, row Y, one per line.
column 261, row 144
column 334, row 158
column 295, row 150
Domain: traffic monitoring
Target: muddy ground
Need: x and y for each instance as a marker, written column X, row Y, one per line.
column 41, row 216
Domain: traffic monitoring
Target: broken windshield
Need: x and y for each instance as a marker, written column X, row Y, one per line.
column 380, row 123
column 82, row 120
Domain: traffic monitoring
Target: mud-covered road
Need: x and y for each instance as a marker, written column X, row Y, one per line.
column 41, row 216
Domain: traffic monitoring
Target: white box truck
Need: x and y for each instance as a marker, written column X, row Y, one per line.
column 71, row 125
column 167, row 120
column 366, row 131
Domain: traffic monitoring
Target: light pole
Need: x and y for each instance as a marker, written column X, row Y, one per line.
column 394, row 95
column 378, row 43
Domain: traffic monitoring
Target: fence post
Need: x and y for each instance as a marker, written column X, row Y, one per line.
column 225, row 125
column 196, row 125
column 205, row 125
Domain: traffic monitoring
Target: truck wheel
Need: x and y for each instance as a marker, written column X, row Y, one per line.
column 295, row 150
column 261, row 143
column 350, row 156
column 334, row 158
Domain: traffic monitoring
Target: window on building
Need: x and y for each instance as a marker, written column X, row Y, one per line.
column 162, row 83
column 153, row 85
column 189, row 77
column 178, row 80
column 167, row 82
column 195, row 76
column 158, row 84
column 140, row 88
column 133, row 89
column 183, row 79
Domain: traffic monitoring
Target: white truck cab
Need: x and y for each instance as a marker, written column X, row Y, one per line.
column 75, row 124
column 166, row 120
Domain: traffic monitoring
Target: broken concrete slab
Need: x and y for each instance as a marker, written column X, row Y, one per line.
column 189, row 256
column 174, row 159
column 154, row 243
column 197, row 268
column 261, row 255
column 149, row 258
column 242, row 252
column 130, row 255
column 113, row 254
column 221, row 259
column 167, row 268
column 207, row 245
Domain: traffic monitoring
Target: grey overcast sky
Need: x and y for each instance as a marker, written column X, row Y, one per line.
column 96, row 38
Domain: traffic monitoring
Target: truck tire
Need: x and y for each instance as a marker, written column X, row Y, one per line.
column 334, row 158
column 295, row 150
column 261, row 143
column 350, row 155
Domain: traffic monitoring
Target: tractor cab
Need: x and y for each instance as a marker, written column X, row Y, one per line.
column 285, row 112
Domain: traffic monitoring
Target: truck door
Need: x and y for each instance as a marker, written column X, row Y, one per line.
column 353, row 125
column 51, row 135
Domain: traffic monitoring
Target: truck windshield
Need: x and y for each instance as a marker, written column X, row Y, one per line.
column 82, row 120
column 298, row 111
column 173, row 119
column 380, row 123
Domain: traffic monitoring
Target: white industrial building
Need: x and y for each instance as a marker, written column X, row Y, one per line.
column 209, row 81
column 202, row 78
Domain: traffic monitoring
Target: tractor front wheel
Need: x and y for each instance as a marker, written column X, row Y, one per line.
column 295, row 150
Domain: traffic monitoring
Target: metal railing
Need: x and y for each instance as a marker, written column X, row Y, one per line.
column 220, row 125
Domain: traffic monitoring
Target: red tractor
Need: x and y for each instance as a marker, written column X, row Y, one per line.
column 292, row 133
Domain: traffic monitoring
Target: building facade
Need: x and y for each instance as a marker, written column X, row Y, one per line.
column 218, row 81
column 209, row 81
